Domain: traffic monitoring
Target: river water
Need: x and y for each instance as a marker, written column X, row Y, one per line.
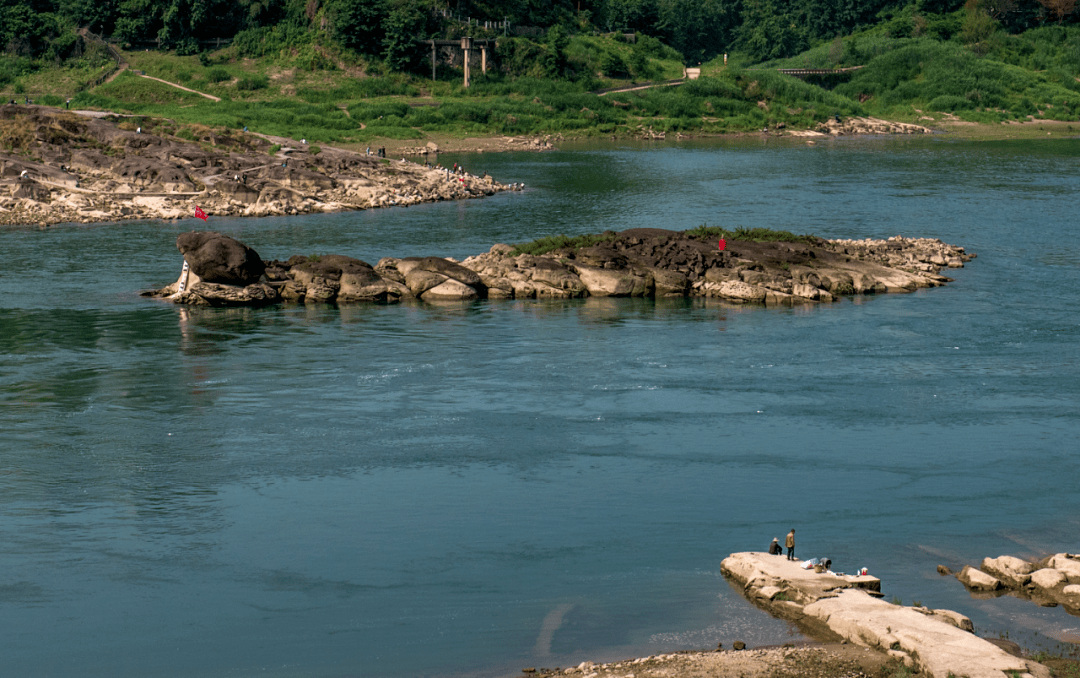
column 470, row 489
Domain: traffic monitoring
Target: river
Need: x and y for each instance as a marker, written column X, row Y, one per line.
column 471, row 489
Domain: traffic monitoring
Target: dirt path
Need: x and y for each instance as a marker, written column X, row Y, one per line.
column 123, row 67
column 634, row 88
column 173, row 84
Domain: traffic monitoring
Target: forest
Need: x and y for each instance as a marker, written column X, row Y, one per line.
column 387, row 29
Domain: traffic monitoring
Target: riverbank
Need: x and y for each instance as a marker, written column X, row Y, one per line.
column 63, row 167
column 813, row 660
column 947, row 126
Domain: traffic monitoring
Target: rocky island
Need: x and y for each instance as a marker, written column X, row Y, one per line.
column 63, row 167
column 644, row 262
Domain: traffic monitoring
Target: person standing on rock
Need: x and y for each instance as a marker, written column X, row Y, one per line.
column 790, row 544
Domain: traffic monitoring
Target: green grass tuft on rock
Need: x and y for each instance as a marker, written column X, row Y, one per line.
column 705, row 232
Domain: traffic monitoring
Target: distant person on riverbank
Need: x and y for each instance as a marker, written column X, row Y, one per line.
column 790, row 544
column 775, row 548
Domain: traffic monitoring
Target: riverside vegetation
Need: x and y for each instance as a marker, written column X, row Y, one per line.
column 352, row 71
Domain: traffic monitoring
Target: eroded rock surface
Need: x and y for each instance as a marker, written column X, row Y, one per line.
column 937, row 642
column 63, row 167
column 634, row 263
column 1052, row 581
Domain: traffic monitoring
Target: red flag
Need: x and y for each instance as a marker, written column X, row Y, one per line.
column 199, row 214
column 723, row 244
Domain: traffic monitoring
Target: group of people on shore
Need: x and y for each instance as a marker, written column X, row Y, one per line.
column 776, row 550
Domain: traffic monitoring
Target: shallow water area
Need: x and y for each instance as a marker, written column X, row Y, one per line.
column 450, row 489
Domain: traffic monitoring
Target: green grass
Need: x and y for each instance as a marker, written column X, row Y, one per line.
column 705, row 232
column 545, row 245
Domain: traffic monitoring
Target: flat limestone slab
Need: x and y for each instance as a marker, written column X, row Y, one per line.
column 935, row 641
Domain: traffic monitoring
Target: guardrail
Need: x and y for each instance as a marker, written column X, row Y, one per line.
column 91, row 37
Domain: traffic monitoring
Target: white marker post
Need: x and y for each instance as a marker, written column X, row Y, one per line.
column 183, row 280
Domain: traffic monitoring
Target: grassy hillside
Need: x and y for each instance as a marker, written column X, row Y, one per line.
column 913, row 69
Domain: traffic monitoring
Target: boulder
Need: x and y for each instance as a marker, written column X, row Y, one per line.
column 1013, row 571
column 554, row 274
column 234, row 190
column 442, row 267
column 28, row 188
column 1072, row 590
column 358, row 288
column 1047, row 578
column 805, row 291
column 602, row 282
column 669, row 282
column 450, row 289
column 1068, row 565
column 217, row 258
column 600, row 256
column 740, row 291
column 216, row 294
column 320, row 291
column 419, row 281
column 977, row 580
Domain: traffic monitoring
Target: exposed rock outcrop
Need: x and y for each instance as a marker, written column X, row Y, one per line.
column 858, row 125
column 1052, row 581
column 217, row 258
column 634, row 263
column 939, row 643
column 63, row 167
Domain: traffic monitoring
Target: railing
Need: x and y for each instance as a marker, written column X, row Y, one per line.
column 91, row 37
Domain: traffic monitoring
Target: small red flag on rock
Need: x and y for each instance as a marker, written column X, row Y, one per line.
column 723, row 244
column 199, row 214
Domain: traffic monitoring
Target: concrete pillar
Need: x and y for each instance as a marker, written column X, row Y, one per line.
column 433, row 60
column 466, row 46
column 483, row 58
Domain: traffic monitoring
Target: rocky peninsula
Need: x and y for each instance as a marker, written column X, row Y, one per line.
column 645, row 262
column 939, row 643
column 59, row 167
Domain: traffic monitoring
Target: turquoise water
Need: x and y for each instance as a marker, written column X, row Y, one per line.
column 469, row 489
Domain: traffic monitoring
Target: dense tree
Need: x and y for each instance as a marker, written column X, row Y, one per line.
column 359, row 24
column 699, row 29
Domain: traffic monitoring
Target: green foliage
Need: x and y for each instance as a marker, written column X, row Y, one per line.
column 706, row 232
column 555, row 58
column 948, row 77
column 253, row 82
column 401, row 27
column 314, row 150
column 549, row 244
column 217, row 74
column 274, row 149
column 359, row 24
column 612, row 65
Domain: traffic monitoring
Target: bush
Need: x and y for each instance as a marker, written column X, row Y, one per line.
column 613, row 66
column 253, row 82
column 217, row 74
column 950, row 103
